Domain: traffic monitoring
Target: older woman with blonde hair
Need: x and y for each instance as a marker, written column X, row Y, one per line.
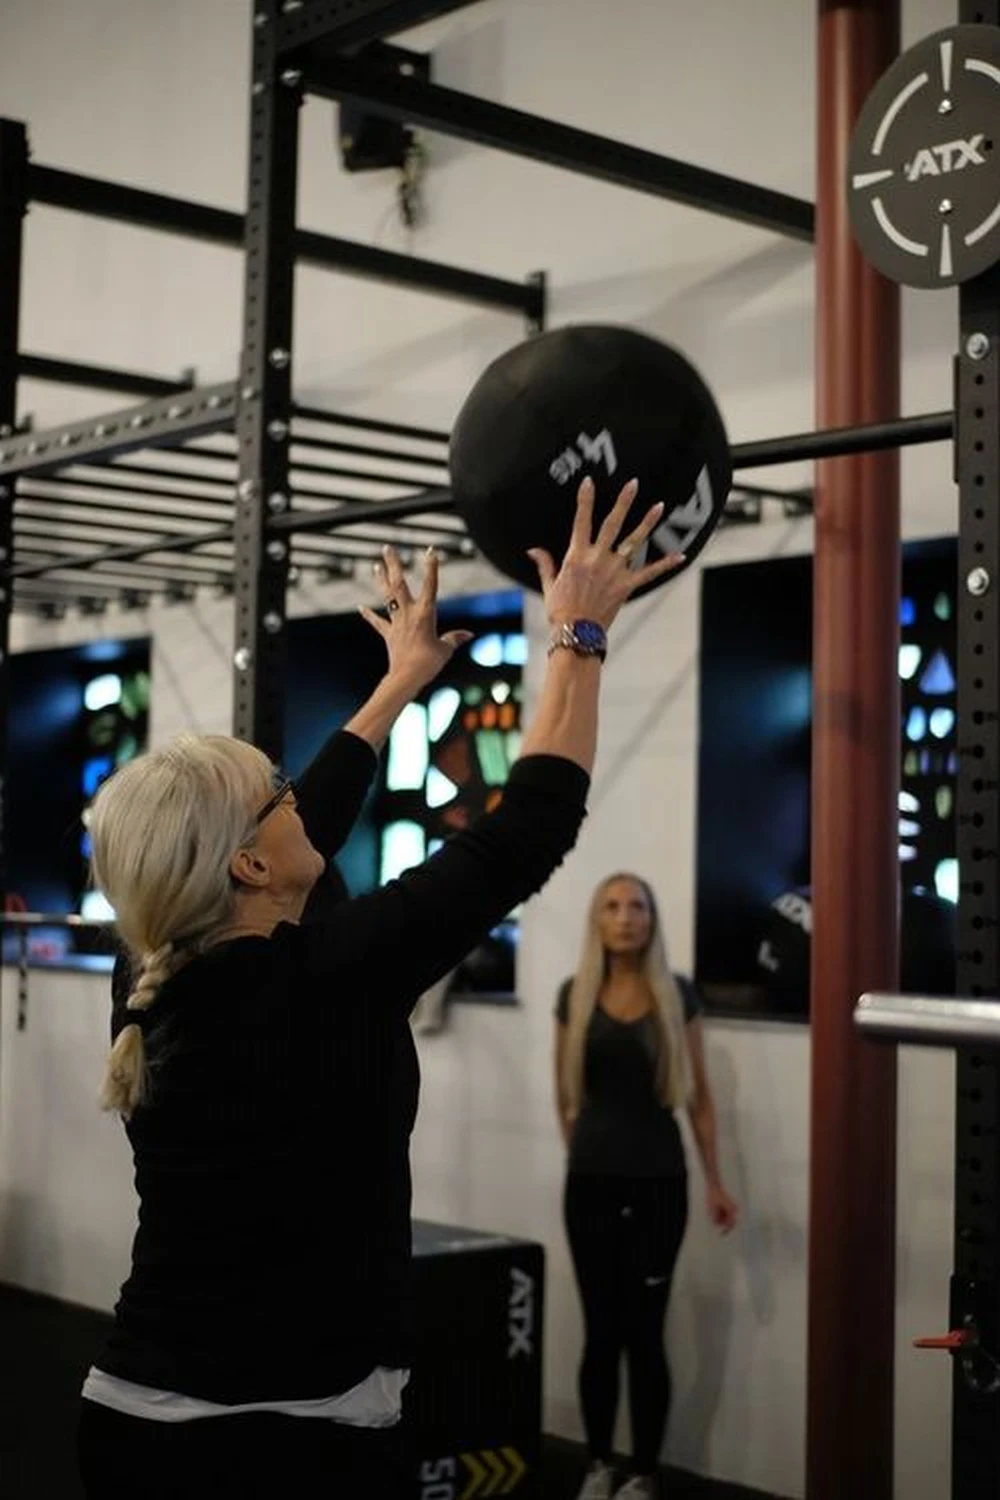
column 267, row 1075
column 628, row 1055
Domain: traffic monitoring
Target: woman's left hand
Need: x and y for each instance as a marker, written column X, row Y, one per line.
column 416, row 652
column 723, row 1211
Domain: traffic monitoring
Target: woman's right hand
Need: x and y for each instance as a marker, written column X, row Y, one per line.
column 596, row 576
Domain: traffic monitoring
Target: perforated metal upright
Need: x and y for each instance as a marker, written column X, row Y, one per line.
column 13, row 206
column 975, row 1287
column 263, row 426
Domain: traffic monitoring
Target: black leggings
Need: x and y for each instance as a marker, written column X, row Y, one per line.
column 624, row 1236
column 252, row 1456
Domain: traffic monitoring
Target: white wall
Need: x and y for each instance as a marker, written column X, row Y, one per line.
column 155, row 94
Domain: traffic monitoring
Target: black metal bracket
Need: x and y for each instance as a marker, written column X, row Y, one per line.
column 409, row 99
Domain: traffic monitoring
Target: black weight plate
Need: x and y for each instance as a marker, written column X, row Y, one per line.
column 924, row 169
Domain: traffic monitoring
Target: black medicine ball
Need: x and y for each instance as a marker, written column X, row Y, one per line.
column 606, row 402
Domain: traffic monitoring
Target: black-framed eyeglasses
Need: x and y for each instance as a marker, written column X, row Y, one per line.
column 283, row 789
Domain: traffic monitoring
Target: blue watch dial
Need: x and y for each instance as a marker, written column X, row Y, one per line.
column 590, row 635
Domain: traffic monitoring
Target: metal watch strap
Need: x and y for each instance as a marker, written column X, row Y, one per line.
column 564, row 637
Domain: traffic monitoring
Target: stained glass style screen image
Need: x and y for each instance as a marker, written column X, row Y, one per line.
column 754, row 910
column 448, row 760
column 448, row 757
column 77, row 714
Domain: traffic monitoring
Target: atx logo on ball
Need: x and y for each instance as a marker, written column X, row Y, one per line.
column 952, row 157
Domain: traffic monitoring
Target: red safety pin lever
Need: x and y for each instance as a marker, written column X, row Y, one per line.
column 957, row 1339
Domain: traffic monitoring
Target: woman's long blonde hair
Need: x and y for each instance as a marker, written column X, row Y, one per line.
column 673, row 1062
column 164, row 829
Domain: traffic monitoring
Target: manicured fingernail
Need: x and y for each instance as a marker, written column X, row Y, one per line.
column 632, row 485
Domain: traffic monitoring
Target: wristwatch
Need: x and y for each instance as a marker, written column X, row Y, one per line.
column 585, row 637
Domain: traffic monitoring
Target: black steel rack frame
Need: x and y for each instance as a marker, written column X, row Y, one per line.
column 236, row 486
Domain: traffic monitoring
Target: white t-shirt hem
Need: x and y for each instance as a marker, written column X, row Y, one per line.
column 376, row 1401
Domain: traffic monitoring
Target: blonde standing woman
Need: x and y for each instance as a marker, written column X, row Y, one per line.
column 628, row 1054
column 267, row 1075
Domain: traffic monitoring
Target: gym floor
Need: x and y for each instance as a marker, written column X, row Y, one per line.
column 48, row 1345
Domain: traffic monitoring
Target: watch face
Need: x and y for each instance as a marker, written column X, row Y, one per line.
column 590, row 635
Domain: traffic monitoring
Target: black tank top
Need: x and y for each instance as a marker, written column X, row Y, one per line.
column 622, row 1128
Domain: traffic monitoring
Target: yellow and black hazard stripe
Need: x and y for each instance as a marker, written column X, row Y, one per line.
column 493, row 1471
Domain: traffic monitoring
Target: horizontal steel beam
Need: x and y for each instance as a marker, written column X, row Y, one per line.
column 364, row 450
column 313, row 249
column 113, row 200
column 62, row 528
column 42, row 919
column 374, row 511
column 351, row 23
column 108, row 487
column 115, row 579
column 105, row 490
column 338, row 471
column 929, row 1021
column 415, row 102
column 370, row 424
column 104, row 515
column 838, row 442
column 156, row 471
column 172, row 543
column 80, row 550
column 191, row 414
column 34, row 587
column 96, row 377
column 95, row 196
column 363, row 512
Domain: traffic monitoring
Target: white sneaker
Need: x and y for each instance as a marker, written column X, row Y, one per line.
column 599, row 1483
column 639, row 1487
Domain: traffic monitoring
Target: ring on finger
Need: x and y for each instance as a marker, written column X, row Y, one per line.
column 392, row 605
column 627, row 550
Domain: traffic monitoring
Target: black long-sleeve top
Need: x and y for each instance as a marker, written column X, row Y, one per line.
column 272, row 1255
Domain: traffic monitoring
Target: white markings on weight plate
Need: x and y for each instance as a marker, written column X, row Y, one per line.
column 901, row 100
column 889, row 229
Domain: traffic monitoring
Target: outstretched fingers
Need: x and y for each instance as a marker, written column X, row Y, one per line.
column 655, row 570
column 392, row 577
column 545, row 565
column 380, row 626
column 429, row 586
column 633, row 544
column 615, row 519
column 583, row 521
